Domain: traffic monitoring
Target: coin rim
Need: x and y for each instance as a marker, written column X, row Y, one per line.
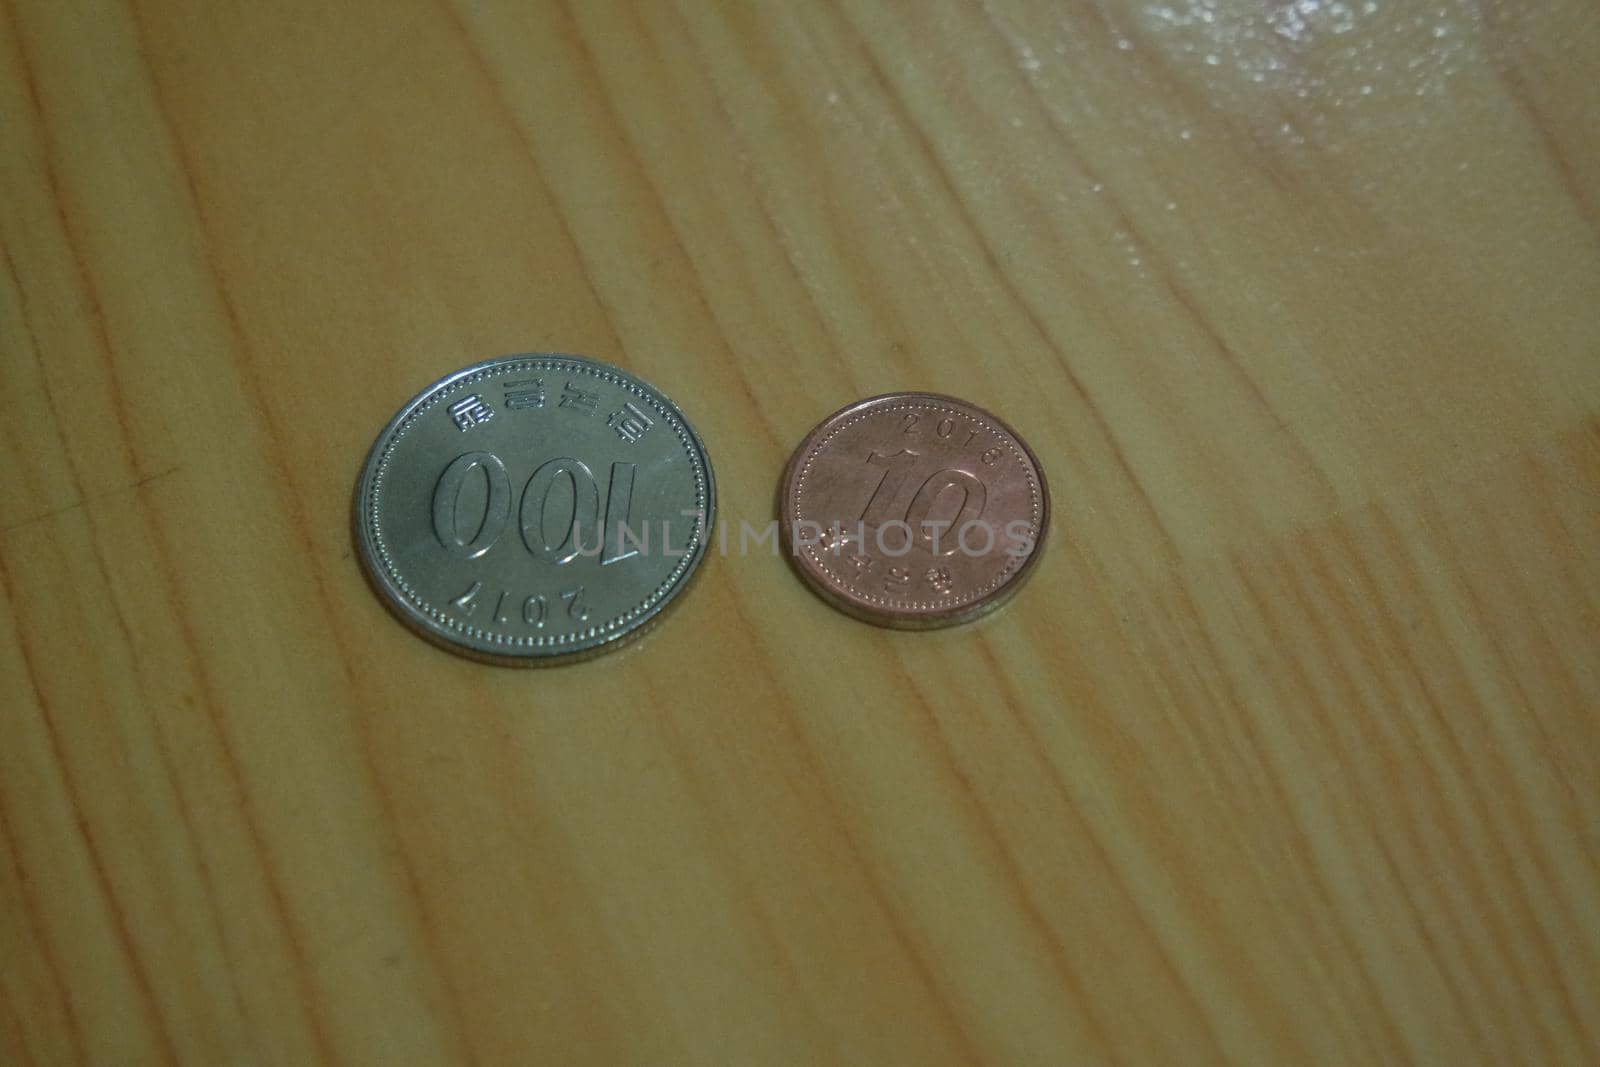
column 392, row 597
column 932, row 620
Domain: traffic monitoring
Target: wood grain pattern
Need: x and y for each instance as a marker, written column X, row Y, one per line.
column 1288, row 754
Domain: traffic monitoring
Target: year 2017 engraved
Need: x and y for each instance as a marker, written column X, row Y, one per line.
column 535, row 609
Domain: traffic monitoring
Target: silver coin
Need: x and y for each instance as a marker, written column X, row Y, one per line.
column 534, row 509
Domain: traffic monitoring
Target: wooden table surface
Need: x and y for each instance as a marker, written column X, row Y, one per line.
column 1287, row 754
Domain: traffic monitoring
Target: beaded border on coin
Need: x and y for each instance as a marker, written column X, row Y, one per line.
column 427, row 620
column 826, row 584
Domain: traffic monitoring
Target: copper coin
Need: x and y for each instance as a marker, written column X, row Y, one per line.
column 913, row 510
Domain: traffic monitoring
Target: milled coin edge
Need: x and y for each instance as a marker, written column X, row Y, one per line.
column 393, row 597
